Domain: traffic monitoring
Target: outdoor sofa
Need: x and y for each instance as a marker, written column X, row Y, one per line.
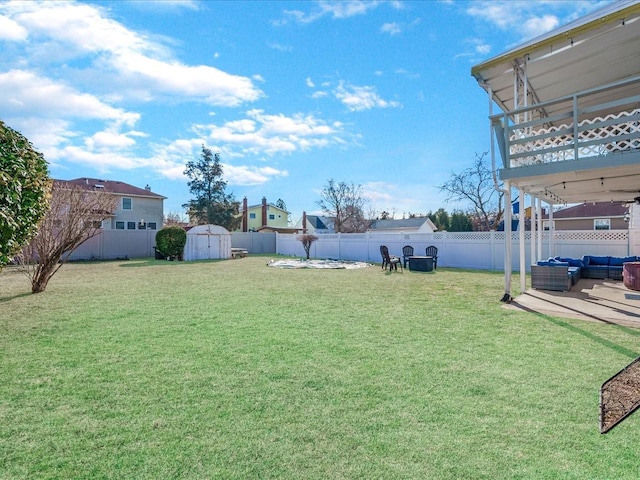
column 557, row 273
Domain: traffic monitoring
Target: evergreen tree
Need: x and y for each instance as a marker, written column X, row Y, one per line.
column 460, row 222
column 212, row 205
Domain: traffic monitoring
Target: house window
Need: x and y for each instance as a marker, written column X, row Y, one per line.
column 119, row 225
column 272, row 216
column 131, row 225
column 126, row 203
column 142, row 226
column 152, row 225
column 252, row 215
column 602, row 224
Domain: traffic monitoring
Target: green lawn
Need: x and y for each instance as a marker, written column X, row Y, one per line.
column 232, row 369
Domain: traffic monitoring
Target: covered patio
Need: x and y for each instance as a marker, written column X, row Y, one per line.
column 568, row 130
column 604, row 301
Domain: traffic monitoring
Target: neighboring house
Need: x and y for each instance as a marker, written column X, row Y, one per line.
column 590, row 216
column 406, row 225
column 258, row 217
column 315, row 224
column 138, row 208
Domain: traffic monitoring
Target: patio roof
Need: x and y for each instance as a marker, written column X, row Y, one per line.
column 600, row 49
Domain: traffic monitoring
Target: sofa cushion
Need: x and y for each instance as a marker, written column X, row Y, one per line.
column 573, row 262
column 618, row 261
column 552, row 263
column 591, row 260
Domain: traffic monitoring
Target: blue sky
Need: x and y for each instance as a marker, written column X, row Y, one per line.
column 290, row 93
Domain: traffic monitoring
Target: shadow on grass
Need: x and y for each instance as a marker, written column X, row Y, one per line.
column 156, row 263
column 602, row 341
column 13, row 297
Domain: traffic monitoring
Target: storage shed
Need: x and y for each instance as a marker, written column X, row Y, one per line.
column 206, row 242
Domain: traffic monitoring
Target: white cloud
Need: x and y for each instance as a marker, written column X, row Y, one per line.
column 141, row 68
column 309, row 82
column 335, row 9
column 524, row 17
column 361, row 98
column 195, row 82
column 24, row 94
column 10, row 30
column 391, row 28
column 265, row 134
column 249, row 175
column 169, row 161
column 280, row 47
column 535, row 26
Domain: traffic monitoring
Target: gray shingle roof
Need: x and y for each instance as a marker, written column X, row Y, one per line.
column 398, row 223
column 111, row 186
column 591, row 210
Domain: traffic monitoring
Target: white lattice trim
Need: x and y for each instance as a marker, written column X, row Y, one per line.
column 612, row 133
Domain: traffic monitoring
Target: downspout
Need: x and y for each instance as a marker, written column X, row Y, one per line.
column 507, row 201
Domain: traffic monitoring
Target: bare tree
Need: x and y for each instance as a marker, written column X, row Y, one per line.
column 345, row 204
column 475, row 185
column 307, row 239
column 75, row 215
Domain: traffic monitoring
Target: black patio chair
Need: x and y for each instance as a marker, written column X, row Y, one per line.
column 432, row 251
column 390, row 261
column 407, row 251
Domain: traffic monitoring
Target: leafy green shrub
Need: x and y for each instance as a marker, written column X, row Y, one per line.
column 170, row 242
column 24, row 191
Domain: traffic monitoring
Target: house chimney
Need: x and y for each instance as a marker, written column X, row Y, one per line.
column 245, row 214
column 304, row 222
column 147, row 188
column 264, row 211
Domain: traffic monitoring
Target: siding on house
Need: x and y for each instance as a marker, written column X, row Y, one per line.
column 273, row 216
column 584, row 216
column 146, row 207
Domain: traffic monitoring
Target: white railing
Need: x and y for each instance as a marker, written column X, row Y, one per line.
column 572, row 127
column 597, row 136
column 472, row 250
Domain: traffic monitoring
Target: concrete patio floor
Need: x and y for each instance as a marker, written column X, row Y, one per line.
column 607, row 301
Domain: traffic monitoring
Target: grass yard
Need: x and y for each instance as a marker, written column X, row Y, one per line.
column 234, row 370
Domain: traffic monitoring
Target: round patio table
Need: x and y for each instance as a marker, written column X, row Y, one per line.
column 631, row 275
column 420, row 264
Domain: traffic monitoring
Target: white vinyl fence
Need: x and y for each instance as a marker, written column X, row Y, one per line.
column 472, row 250
column 117, row 244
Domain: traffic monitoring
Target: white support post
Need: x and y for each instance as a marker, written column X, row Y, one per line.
column 507, row 239
column 522, row 254
column 540, row 229
column 533, row 237
column 552, row 233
